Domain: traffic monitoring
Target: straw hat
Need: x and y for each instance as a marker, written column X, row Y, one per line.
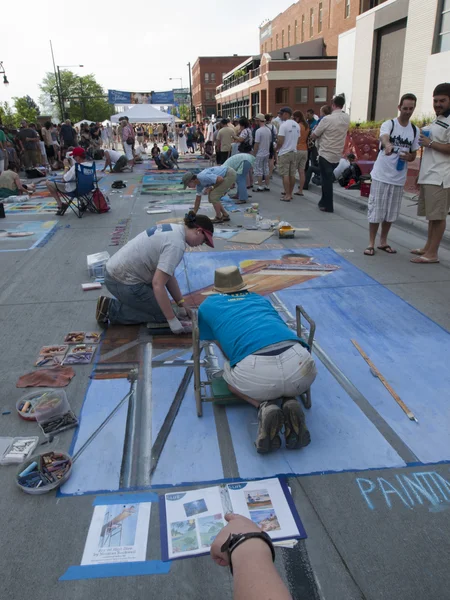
column 228, row 280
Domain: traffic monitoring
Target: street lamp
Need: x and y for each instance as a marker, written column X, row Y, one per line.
column 190, row 92
column 3, row 72
column 177, row 78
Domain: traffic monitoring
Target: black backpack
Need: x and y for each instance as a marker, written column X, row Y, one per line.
column 392, row 129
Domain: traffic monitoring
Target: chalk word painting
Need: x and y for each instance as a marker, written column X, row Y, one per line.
column 415, row 489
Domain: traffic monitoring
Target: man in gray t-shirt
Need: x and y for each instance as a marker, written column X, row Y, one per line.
column 29, row 140
column 161, row 247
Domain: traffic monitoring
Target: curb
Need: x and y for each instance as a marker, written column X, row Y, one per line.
column 404, row 222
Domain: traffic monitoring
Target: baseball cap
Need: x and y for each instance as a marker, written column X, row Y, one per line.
column 78, row 152
column 208, row 236
column 260, row 117
column 187, row 177
column 286, row 109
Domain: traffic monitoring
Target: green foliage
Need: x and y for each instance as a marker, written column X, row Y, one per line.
column 239, row 73
column 84, row 98
column 26, row 108
column 7, row 116
column 185, row 112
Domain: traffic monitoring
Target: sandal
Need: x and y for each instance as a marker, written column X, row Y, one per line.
column 62, row 209
column 418, row 252
column 227, row 218
column 369, row 251
column 216, row 220
column 387, row 249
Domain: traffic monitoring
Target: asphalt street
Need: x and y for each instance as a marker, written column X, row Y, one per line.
column 364, row 542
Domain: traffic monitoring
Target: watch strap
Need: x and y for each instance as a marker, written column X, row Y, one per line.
column 236, row 539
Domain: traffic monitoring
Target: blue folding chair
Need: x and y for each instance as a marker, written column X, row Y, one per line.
column 81, row 199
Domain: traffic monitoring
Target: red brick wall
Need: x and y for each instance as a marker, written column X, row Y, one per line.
column 210, row 64
column 334, row 22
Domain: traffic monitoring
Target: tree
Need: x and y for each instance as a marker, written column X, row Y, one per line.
column 7, row 117
column 26, row 108
column 83, row 97
column 185, row 112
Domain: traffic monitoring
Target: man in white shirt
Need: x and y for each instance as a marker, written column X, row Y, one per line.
column 288, row 135
column 68, row 185
column 119, row 160
column 332, row 131
column 399, row 141
column 434, row 176
column 261, row 150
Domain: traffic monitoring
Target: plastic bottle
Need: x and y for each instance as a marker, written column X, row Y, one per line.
column 400, row 163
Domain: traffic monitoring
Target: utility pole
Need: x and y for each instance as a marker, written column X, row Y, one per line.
column 58, row 83
column 190, row 93
column 83, row 106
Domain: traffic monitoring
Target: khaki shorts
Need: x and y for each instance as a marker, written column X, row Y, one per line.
column 434, row 202
column 223, row 187
column 270, row 377
column 287, row 164
column 301, row 158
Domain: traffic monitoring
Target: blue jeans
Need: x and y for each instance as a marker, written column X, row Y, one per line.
column 241, row 181
column 132, row 304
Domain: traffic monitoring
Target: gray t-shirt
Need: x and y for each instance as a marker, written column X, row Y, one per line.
column 263, row 136
column 161, row 247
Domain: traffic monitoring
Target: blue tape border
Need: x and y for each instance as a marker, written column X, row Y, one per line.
column 130, row 569
column 125, row 499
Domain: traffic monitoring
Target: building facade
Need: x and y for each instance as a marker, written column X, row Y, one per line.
column 207, row 74
column 300, row 78
column 310, row 20
column 398, row 47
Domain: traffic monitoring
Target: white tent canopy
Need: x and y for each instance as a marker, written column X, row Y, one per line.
column 144, row 113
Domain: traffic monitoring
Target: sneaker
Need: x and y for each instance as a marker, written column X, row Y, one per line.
column 295, row 430
column 270, row 422
column 102, row 310
column 266, row 189
column 258, row 189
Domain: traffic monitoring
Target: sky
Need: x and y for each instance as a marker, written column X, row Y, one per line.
column 129, row 47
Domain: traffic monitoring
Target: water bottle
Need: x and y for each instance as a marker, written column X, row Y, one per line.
column 401, row 163
column 426, row 131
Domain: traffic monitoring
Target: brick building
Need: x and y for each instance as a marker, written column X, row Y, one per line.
column 207, row 73
column 311, row 20
column 300, row 77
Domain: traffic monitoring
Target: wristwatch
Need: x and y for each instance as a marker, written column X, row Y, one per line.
column 236, row 539
column 430, row 144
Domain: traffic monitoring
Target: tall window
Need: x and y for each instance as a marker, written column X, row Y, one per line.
column 206, row 77
column 282, row 39
column 281, row 95
column 303, row 28
column 443, row 43
column 265, row 47
column 295, row 32
column 347, row 9
column 207, row 95
column 213, row 78
column 301, row 95
column 311, row 22
column 320, row 94
column 276, row 42
column 319, row 26
column 289, row 35
column 271, row 44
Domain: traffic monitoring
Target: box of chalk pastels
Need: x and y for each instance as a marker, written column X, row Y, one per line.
column 14, row 451
column 53, row 413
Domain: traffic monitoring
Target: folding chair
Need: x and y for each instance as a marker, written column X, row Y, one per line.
column 82, row 198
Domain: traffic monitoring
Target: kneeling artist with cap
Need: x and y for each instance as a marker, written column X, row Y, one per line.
column 215, row 181
column 266, row 361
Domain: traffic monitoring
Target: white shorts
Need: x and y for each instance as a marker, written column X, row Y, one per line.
column 384, row 203
column 270, row 377
column 128, row 150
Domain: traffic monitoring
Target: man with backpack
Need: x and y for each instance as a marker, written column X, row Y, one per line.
column 399, row 142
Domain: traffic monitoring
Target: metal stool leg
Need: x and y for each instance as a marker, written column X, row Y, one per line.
column 196, row 358
column 306, row 397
